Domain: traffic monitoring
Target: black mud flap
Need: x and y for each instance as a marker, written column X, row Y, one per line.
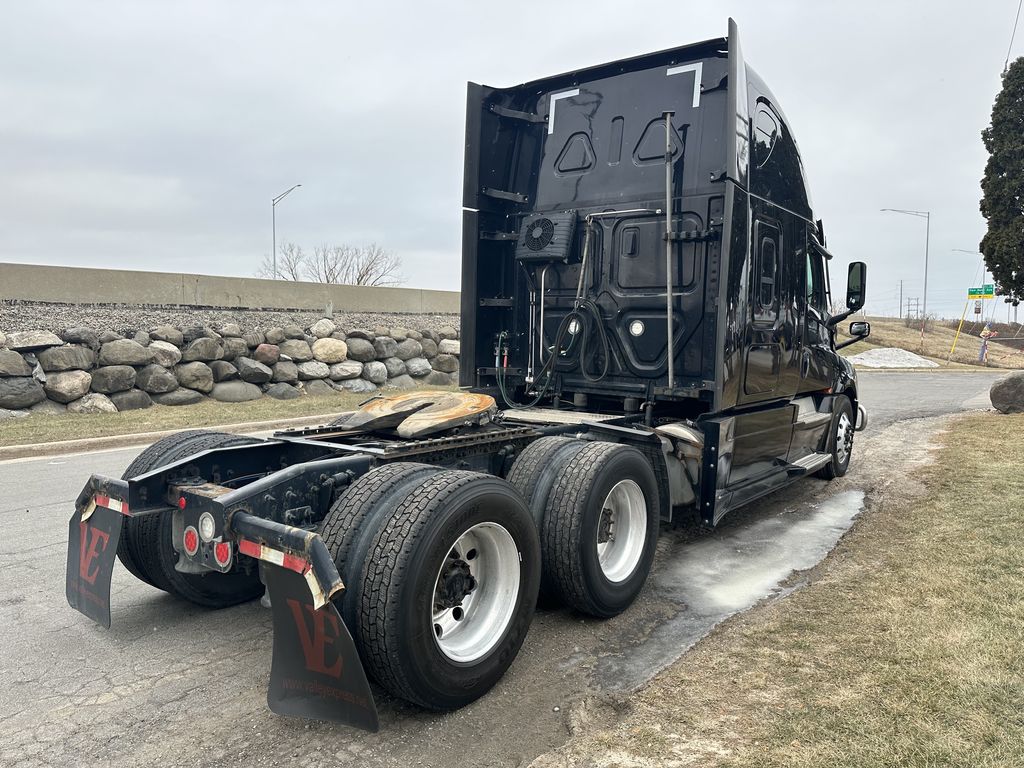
column 92, row 548
column 316, row 671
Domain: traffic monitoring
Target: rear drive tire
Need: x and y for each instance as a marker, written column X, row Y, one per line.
column 448, row 589
column 601, row 528
column 839, row 441
column 146, row 548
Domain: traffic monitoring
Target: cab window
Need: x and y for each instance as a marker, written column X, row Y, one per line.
column 816, row 294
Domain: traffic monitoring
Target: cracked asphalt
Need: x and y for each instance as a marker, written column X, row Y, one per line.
column 172, row 684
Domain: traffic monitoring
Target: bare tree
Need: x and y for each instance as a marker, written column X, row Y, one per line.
column 291, row 264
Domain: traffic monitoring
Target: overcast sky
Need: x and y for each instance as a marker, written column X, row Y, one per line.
column 144, row 135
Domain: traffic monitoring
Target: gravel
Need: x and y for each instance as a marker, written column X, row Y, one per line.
column 891, row 357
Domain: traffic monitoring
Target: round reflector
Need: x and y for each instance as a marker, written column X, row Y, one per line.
column 207, row 527
column 222, row 553
column 191, row 541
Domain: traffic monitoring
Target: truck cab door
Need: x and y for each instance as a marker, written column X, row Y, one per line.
column 817, row 356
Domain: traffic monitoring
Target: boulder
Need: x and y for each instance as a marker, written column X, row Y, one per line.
column 37, row 370
column 275, row 335
column 358, row 386
column 199, row 332
column 297, row 349
column 294, row 332
column 234, row 347
column 195, row 375
column 81, row 335
column 362, row 333
column 282, row 391
column 286, row 371
column 415, row 335
column 225, row 371
column 385, row 346
column 167, row 333
column 375, row 372
column 180, row 396
column 417, row 366
column 93, row 402
column 124, row 352
column 108, row 336
column 381, row 330
column 65, row 386
column 70, row 357
column 155, row 379
column 26, row 341
column 350, row 369
column 429, row 347
column 437, row 379
column 447, row 333
column 8, row 414
column 339, row 335
column 202, row 349
column 236, row 392
column 13, row 364
column 231, row 330
column 399, row 334
column 1007, row 394
column 253, row 339
column 328, row 350
column 113, row 378
column 408, row 349
column 313, row 369
column 253, row 372
column 20, row 392
column 402, row 382
column 164, row 353
column 322, row 328
column 449, row 347
column 268, row 354
column 445, row 363
column 48, row 406
column 360, row 349
column 132, row 400
column 143, row 338
column 429, row 334
column 318, row 388
column 394, row 366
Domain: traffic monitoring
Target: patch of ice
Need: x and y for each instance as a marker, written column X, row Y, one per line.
column 891, row 357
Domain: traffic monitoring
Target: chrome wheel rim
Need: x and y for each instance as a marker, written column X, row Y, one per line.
column 621, row 531
column 844, row 438
column 475, row 592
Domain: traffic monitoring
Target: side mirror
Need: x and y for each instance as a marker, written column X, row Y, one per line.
column 856, row 283
column 860, row 329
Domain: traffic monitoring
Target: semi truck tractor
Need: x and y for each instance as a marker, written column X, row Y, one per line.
column 647, row 337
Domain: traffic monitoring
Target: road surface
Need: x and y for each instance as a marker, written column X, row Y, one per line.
column 171, row 684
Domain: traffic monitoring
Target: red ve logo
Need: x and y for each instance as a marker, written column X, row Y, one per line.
column 92, row 543
column 320, row 631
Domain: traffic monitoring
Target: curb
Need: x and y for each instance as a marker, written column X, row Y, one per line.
column 88, row 444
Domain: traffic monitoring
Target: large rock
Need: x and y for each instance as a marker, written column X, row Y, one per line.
column 375, row 372
column 82, row 335
column 328, row 350
column 445, row 363
column 323, row 328
column 225, row 371
column 94, row 402
column 26, row 341
column 48, row 406
column 282, row 391
column 399, row 334
column 7, row 414
column 65, row 386
column 361, row 333
column 20, row 392
column 430, row 334
column 297, row 349
column 350, row 369
column 202, row 349
column 437, row 379
column 429, row 347
column 253, row 372
column 294, row 332
column 71, row 357
column 318, row 388
column 180, row 396
column 13, row 364
column 108, row 336
column 1007, row 394
column 402, row 382
column 417, row 366
column 449, row 347
column 286, row 371
column 268, row 354
column 408, row 349
column 195, row 375
column 234, row 347
column 124, row 352
column 359, row 386
column 313, row 369
column 395, row 367
column 275, row 335
column 167, row 333
column 231, row 330
column 113, row 378
column 164, row 353
column 236, row 392
column 155, row 379
column 415, row 335
column 360, row 349
column 142, row 338
column 199, row 332
column 385, row 346
column 132, row 400
column 253, row 339
column 447, row 333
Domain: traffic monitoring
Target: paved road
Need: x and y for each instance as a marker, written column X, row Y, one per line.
column 172, row 684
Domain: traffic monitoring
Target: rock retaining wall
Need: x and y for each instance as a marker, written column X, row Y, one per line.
column 86, row 370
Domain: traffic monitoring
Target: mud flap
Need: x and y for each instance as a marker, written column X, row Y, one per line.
column 316, row 671
column 92, row 549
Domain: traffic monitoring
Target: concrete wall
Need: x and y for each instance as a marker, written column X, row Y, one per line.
column 80, row 285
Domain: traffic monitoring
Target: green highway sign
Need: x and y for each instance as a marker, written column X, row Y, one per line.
column 987, row 291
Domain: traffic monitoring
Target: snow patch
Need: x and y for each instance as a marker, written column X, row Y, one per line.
column 891, row 357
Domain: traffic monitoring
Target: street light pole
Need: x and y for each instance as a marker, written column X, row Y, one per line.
column 273, row 220
column 927, row 216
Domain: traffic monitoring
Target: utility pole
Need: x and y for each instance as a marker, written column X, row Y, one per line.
column 901, row 299
column 927, row 216
column 273, row 220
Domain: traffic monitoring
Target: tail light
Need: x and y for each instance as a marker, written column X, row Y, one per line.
column 222, row 553
column 191, row 541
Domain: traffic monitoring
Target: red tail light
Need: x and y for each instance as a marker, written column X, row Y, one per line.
column 191, row 541
column 222, row 553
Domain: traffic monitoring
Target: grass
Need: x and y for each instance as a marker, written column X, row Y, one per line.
column 44, row 427
column 905, row 651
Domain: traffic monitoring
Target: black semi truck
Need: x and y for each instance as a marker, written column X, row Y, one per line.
column 646, row 336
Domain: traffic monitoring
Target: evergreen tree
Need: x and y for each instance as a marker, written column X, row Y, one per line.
column 1002, row 202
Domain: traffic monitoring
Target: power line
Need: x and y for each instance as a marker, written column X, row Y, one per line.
column 1006, row 64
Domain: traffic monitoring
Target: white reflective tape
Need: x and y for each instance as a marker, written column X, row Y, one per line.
column 551, row 106
column 697, row 70
column 271, row 555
